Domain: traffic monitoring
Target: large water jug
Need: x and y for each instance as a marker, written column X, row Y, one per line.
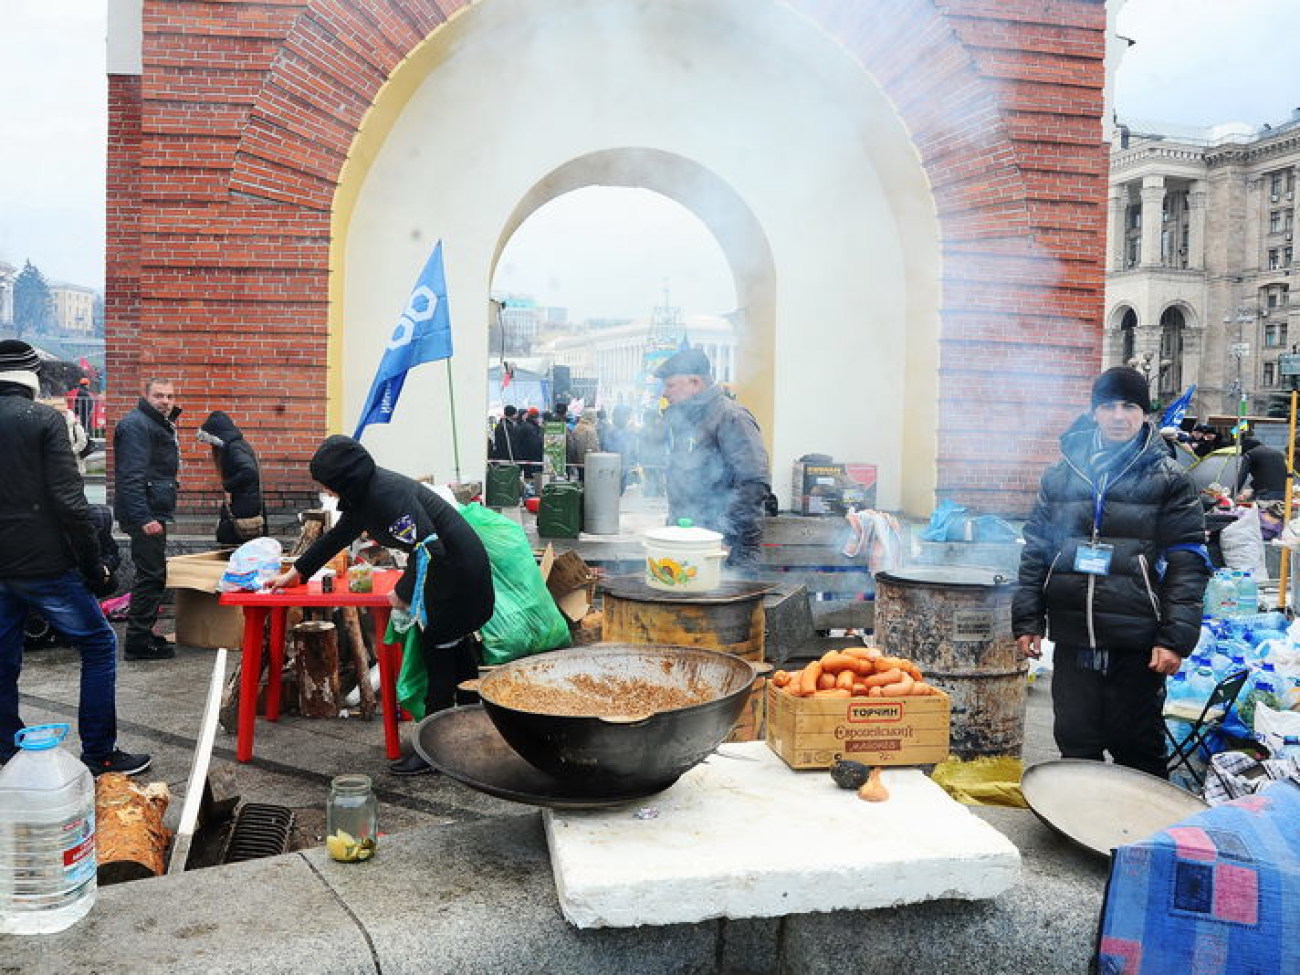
column 1221, row 595
column 1200, row 685
column 47, row 835
column 1247, row 595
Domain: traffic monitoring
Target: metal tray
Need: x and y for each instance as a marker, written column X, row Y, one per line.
column 465, row 745
column 1101, row 806
column 728, row 591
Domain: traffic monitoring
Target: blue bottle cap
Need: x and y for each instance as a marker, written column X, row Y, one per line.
column 41, row 737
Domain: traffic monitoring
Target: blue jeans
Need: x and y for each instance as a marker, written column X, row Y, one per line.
column 68, row 606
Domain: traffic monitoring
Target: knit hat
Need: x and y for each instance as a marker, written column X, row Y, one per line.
column 1124, row 385
column 18, row 364
column 687, row 362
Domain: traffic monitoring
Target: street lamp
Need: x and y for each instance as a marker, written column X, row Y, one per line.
column 1242, row 315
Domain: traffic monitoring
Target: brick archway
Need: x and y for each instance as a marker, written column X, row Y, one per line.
column 1003, row 106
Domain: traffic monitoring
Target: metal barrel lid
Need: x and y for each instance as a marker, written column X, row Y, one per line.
column 948, row 576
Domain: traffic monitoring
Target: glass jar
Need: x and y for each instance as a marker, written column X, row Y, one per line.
column 351, row 819
column 361, row 578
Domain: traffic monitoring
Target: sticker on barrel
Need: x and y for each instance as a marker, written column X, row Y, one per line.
column 972, row 625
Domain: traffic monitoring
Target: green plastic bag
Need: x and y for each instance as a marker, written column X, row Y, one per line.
column 524, row 621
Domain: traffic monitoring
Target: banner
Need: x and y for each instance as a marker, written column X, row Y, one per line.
column 422, row 334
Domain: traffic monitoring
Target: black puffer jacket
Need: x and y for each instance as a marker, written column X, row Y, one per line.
column 1151, row 506
column 398, row 512
column 241, row 478
column 146, row 460
column 45, row 523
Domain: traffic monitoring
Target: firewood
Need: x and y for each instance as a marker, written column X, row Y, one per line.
column 360, row 660
column 130, row 839
column 316, row 665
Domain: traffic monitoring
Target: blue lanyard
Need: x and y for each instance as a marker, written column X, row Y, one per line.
column 418, row 612
column 1099, row 504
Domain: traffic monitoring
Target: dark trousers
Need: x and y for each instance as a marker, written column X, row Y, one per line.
column 70, row 608
column 447, row 667
column 1118, row 711
column 149, row 553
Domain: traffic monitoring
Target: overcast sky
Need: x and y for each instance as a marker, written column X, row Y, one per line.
column 1194, row 62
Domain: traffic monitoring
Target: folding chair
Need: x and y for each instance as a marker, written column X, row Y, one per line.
column 1216, row 708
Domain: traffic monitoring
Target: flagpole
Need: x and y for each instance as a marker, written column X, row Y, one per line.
column 455, row 441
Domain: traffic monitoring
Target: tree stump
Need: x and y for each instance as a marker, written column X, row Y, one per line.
column 130, row 839
column 316, row 666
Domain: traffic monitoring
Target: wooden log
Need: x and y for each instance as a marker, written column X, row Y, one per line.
column 360, row 660
column 316, row 666
column 130, row 839
column 313, row 526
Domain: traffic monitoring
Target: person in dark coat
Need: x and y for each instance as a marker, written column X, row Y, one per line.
column 1113, row 571
column 83, row 405
column 146, row 461
column 717, row 466
column 242, row 514
column 401, row 513
column 528, row 439
column 51, row 564
column 504, row 444
column 1264, row 468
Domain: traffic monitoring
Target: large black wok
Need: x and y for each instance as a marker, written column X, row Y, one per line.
column 630, row 752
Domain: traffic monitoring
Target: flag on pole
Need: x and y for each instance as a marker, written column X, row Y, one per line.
column 1176, row 410
column 422, row 334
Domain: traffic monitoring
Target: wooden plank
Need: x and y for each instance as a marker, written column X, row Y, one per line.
column 199, row 768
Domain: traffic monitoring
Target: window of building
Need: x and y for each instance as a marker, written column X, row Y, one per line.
column 1277, row 184
column 1134, row 218
column 1286, row 256
column 1270, row 373
column 1288, row 218
column 1275, row 221
column 1133, row 253
column 1273, row 259
column 1275, row 335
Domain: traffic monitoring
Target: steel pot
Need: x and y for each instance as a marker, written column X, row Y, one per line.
column 629, row 752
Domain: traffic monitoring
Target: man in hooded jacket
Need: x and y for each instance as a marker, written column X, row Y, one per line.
column 1113, row 571
column 242, row 516
column 401, row 513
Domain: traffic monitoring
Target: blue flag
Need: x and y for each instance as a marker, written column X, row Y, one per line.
column 1176, row 410
column 422, row 334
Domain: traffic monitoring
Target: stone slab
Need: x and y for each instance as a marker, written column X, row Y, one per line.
column 703, row 848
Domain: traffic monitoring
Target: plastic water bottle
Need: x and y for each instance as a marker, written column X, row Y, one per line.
column 1247, row 595
column 1200, row 685
column 47, row 835
column 1213, row 604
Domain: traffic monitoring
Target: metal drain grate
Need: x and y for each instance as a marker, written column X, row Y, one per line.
column 260, row 830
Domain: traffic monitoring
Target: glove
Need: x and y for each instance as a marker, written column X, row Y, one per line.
column 102, row 582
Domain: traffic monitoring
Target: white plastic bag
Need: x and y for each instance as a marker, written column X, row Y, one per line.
column 251, row 566
column 1243, row 545
column 1278, row 731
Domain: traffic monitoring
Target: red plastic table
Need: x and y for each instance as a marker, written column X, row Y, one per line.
column 258, row 605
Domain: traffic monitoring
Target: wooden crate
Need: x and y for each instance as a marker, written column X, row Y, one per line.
column 812, row 733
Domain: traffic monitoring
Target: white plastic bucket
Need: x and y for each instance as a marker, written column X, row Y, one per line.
column 682, row 558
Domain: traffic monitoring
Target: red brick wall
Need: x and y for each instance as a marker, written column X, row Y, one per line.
column 218, row 241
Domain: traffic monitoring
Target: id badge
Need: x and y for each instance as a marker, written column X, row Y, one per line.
column 1093, row 559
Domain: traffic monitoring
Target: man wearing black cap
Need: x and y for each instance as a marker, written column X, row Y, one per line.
column 1113, row 571
column 50, row 563
column 717, row 473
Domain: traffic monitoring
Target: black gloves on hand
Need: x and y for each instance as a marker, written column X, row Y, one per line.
column 102, row 582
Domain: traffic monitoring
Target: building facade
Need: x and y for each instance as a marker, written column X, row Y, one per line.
column 1199, row 262
column 74, row 307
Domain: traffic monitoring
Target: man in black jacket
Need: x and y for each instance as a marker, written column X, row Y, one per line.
column 146, row 459
column 50, row 563
column 1113, row 571
column 457, row 597
column 1265, row 469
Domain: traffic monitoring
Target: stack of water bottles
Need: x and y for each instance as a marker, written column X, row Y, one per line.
column 1236, row 636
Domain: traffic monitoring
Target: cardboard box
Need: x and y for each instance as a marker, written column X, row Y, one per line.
column 200, row 620
column 829, row 489
column 571, row 582
column 812, row 732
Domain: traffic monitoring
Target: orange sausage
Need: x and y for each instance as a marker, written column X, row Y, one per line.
column 833, row 692
column 921, row 687
column 835, row 663
column 859, row 689
column 873, row 692
column 825, row 682
column 901, row 688
column 889, row 663
column 880, row 680
column 808, row 677
column 780, row 677
column 845, row 679
column 862, row 653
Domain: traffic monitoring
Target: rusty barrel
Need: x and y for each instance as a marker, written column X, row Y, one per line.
column 955, row 622
column 728, row 619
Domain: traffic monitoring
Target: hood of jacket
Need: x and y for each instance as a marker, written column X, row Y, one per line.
column 345, row 467
column 219, row 429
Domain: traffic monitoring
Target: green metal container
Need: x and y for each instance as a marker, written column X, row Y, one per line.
column 504, row 486
column 559, row 514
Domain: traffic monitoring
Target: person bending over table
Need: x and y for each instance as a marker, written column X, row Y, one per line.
column 456, row 597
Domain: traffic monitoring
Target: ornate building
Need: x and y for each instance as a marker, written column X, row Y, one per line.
column 1199, row 261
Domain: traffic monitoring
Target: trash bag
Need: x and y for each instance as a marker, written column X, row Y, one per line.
column 251, row 566
column 947, row 523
